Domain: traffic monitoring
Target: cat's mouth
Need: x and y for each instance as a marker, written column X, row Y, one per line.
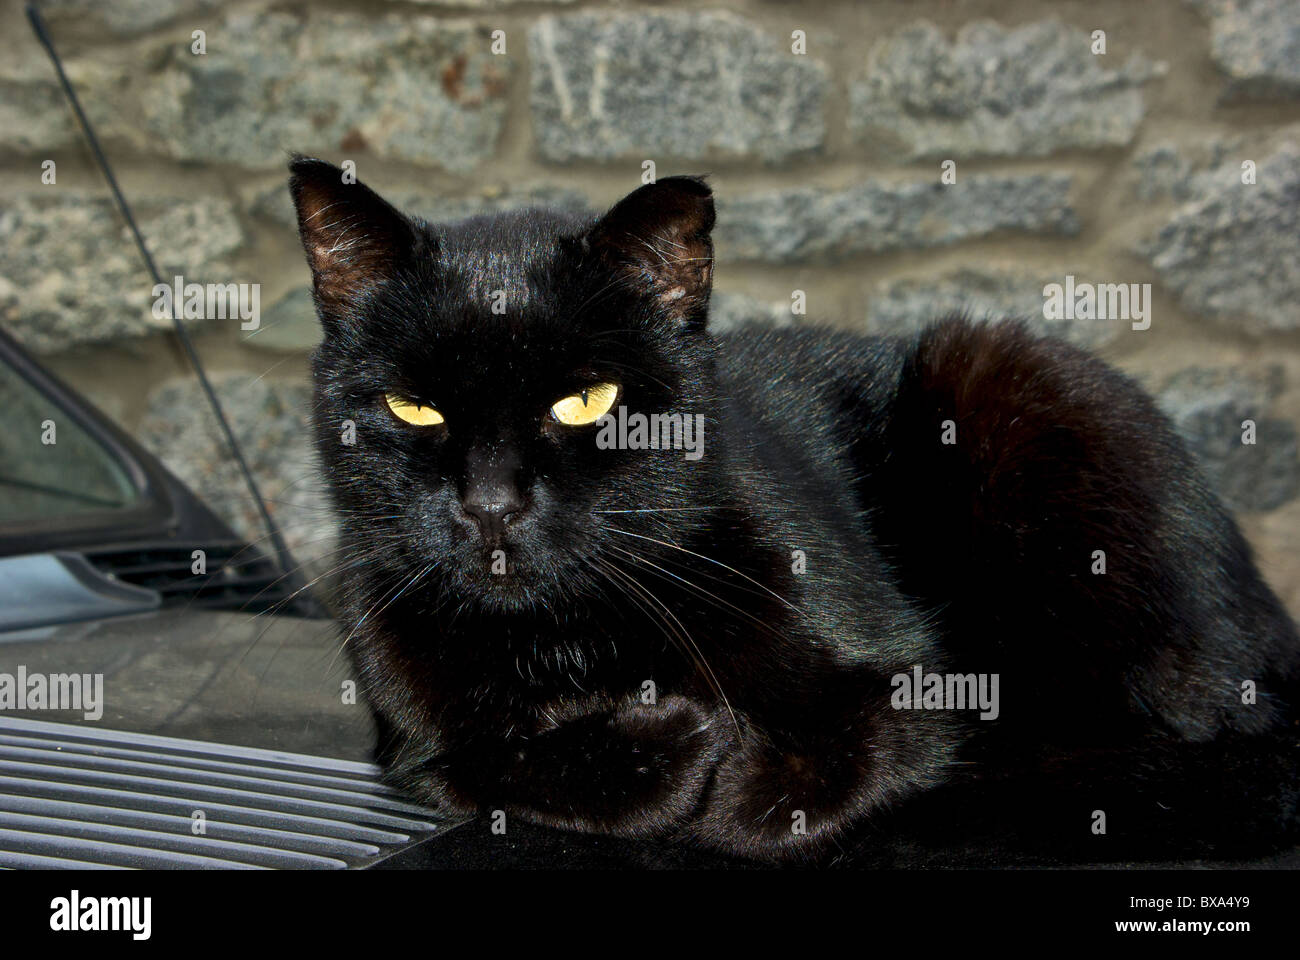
column 505, row 577
column 496, row 577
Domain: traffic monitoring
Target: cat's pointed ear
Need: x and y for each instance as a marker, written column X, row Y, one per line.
column 352, row 236
column 660, row 235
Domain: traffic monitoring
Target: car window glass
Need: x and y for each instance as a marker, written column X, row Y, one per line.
column 49, row 465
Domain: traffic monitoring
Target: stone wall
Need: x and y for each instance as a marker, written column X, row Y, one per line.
column 1169, row 159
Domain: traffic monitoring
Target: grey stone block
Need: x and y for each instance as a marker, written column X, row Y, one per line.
column 813, row 223
column 1230, row 251
column 1208, row 406
column 670, row 84
column 275, row 204
column 71, row 273
column 416, row 88
column 907, row 306
column 1256, row 43
column 1029, row 90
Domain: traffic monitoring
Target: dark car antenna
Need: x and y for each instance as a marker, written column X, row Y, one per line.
column 284, row 557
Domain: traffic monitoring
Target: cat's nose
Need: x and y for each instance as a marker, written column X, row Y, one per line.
column 491, row 516
column 490, row 489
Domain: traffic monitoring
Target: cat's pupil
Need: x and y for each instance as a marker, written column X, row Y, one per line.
column 584, row 396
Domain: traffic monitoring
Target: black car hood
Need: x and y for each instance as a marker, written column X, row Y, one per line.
column 268, row 700
column 258, row 681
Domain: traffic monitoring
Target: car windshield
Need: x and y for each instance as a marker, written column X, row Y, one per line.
column 51, row 466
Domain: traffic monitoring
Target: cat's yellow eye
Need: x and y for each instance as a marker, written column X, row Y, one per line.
column 416, row 414
column 587, row 406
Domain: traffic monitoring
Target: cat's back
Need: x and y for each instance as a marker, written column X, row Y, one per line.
column 802, row 377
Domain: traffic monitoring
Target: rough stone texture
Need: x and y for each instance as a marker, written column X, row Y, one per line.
column 805, row 223
column 677, row 84
column 34, row 115
column 729, row 311
column 1208, row 405
column 1167, row 170
column 270, row 422
column 907, row 306
column 1230, row 252
column 1162, row 171
column 414, row 88
column 127, row 17
column 502, row 200
column 275, row 204
column 288, row 325
column 1004, row 91
column 71, row 273
column 1256, row 43
column 490, row 4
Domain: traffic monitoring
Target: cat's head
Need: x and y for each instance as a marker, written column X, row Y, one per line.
column 461, row 368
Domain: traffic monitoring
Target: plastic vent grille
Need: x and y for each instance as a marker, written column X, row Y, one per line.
column 237, row 575
column 79, row 797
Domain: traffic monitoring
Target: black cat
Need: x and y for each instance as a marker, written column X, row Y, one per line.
column 716, row 636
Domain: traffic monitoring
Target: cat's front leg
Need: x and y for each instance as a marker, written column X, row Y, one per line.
column 637, row 770
column 418, row 765
column 789, row 794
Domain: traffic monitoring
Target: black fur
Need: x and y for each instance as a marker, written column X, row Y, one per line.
column 525, row 691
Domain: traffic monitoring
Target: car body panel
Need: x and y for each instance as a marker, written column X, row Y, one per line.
column 273, row 682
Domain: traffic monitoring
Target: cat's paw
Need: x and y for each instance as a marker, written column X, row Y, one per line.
column 770, row 803
column 638, row 770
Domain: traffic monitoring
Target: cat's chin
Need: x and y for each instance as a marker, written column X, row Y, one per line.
column 499, row 594
column 506, row 600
